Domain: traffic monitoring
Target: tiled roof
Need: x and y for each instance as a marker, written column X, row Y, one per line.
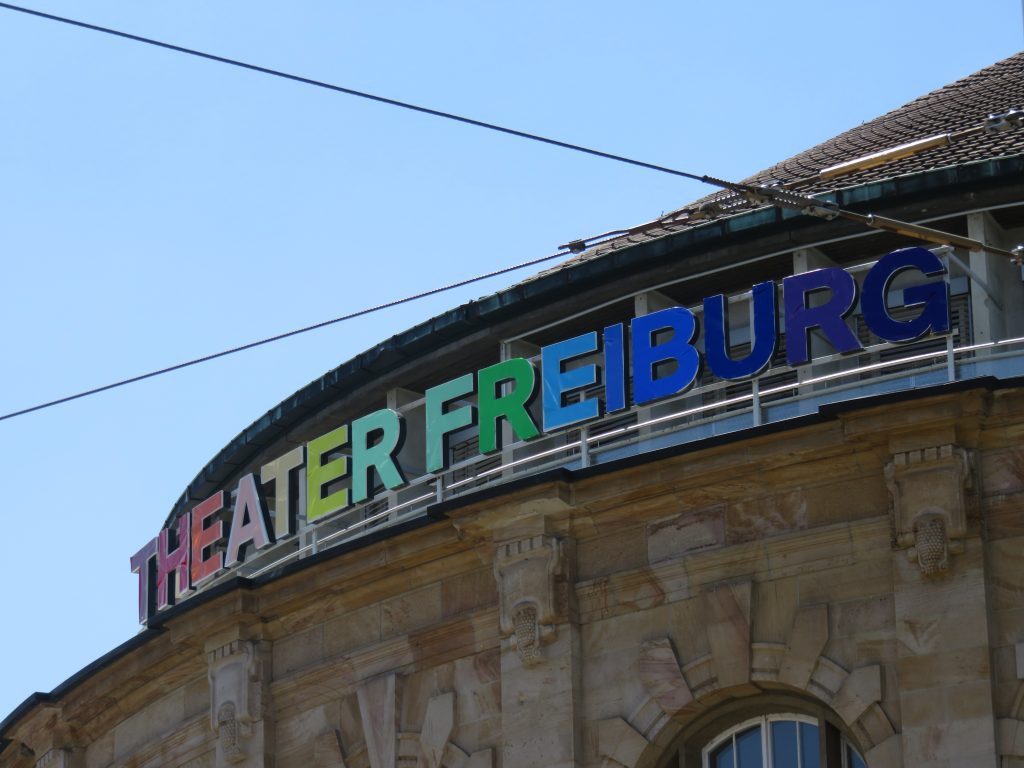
column 960, row 105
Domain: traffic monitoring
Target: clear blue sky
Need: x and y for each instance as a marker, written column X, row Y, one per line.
column 155, row 207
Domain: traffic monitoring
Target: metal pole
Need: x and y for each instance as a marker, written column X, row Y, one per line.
column 584, row 447
column 950, row 358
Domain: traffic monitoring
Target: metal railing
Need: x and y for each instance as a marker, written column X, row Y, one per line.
column 714, row 408
column 698, row 413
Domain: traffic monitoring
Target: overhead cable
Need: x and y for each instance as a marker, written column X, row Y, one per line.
column 286, row 335
column 777, row 196
column 360, row 94
column 995, row 123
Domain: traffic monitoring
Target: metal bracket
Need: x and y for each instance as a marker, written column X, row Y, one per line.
column 811, row 206
column 1005, row 121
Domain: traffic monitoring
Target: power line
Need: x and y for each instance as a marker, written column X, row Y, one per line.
column 364, row 95
column 350, row 92
column 769, row 196
column 280, row 336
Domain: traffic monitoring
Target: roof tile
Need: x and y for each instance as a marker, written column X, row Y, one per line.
column 957, row 106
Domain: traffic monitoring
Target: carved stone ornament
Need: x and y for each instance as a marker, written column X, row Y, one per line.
column 55, row 758
column 236, row 700
column 529, row 572
column 929, row 503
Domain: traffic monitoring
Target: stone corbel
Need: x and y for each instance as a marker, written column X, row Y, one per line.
column 60, row 749
column 531, row 574
column 236, row 679
column 929, row 490
column 20, row 755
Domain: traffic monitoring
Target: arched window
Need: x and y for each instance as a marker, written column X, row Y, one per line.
column 774, row 741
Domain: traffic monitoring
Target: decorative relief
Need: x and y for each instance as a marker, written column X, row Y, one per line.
column 227, row 733
column 55, row 758
column 532, row 595
column 236, row 702
column 929, row 503
column 526, row 633
column 930, row 543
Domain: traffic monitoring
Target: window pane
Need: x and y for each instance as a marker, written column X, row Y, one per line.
column 784, row 745
column 748, row 749
column 809, row 745
column 853, row 759
column 722, row 757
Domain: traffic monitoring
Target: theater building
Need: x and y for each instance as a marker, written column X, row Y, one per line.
column 743, row 487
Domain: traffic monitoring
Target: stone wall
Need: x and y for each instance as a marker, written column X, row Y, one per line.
column 866, row 570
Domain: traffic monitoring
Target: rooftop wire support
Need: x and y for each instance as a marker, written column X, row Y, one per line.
column 810, row 206
column 785, row 196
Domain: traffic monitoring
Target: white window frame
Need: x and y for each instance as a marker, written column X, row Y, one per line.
column 764, row 721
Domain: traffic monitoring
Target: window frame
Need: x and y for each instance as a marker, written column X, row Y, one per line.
column 764, row 721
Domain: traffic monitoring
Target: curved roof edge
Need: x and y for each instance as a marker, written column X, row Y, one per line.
column 438, row 512
column 104, row 661
column 551, row 285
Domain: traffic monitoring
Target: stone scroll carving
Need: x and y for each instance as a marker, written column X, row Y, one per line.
column 929, row 503
column 530, row 573
column 237, row 679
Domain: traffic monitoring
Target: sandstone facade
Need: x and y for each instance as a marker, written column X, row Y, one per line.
column 864, row 570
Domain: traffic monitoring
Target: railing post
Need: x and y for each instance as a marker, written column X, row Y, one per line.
column 950, row 359
column 584, row 447
column 755, row 402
